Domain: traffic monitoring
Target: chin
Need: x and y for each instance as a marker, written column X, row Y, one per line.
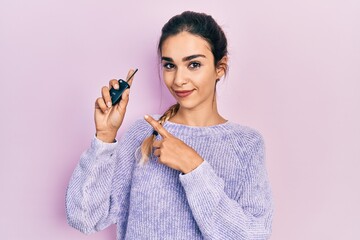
column 187, row 104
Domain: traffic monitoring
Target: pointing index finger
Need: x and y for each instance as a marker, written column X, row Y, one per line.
column 157, row 126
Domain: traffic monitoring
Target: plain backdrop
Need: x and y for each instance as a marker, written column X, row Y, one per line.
column 294, row 76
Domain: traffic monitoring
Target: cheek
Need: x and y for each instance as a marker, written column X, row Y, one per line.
column 167, row 78
column 207, row 81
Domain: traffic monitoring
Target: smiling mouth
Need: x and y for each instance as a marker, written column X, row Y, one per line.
column 182, row 94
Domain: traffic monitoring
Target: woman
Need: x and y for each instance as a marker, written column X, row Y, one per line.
column 189, row 174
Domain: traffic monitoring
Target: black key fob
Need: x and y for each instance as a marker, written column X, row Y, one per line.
column 115, row 94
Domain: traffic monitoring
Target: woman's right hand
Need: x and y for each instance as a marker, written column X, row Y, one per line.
column 108, row 118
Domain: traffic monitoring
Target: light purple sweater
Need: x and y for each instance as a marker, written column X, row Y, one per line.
column 227, row 197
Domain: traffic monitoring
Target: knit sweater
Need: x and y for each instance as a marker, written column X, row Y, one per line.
column 226, row 197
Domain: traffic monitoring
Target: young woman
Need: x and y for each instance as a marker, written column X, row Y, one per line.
column 188, row 174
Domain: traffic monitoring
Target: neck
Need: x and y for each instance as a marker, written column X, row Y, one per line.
column 201, row 116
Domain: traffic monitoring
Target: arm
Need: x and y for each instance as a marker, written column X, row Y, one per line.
column 99, row 188
column 219, row 217
column 98, row 192
column 86, row 202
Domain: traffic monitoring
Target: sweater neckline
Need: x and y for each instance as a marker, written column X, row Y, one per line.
column 181, row 129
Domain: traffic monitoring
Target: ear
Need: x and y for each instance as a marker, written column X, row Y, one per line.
column 221, row 67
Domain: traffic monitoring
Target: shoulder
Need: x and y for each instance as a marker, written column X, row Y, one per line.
column 245, row 133
column 244, row 138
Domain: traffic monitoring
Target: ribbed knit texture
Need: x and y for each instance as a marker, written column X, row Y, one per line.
column 227, row 197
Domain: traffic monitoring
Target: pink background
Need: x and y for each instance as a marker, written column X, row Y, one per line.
column 294, row 76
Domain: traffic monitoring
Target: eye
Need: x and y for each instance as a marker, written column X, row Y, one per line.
column 194, row 65
column 168, row 66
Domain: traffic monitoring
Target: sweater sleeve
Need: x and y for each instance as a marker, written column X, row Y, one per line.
column 98, row 192
column 220, row 217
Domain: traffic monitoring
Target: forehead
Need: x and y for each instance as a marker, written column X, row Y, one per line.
column 185, row 44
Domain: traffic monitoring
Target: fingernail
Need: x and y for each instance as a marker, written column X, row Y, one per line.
column 108, row 104
column 146, row 116
column 116, row 86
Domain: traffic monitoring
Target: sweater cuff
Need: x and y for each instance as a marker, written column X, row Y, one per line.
column 102, row 147
column 99, row 153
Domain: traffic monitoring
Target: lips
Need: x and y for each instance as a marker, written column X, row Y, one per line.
column 183, row 93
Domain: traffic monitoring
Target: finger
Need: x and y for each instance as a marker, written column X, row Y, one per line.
column 157, row 144
column 157, row 126
column 129, row 81
column 124, row 99
column 157, row 152
column 100, row 104
column 113, row 83
column 125, row 96
column 106, row 96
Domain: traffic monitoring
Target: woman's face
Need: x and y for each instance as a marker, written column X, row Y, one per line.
column 189, row 71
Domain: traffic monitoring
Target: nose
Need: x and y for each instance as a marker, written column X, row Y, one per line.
column 181, row 77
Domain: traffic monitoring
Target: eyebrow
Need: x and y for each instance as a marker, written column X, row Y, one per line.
column 188, row 58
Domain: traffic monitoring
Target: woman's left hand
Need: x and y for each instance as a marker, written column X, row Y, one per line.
column 173, row 152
